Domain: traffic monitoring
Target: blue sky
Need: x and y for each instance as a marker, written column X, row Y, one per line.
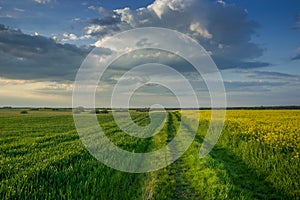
column 255, row 44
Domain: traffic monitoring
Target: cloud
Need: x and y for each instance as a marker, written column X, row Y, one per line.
column 106, row 21
column 252, row 86
column 92, row 8
column 19, row 9
column 272, row 75
column 297, row 57
column 198, row 30
column 9, row 16
column 4, row 82
column 25, row 56
column 69, row 36
column 43, row 1
column 224, row 30
column 34, row 93
column 100, row 9
column 136, row 58
column 253, row 80
column 162, row 6
column 102, row 27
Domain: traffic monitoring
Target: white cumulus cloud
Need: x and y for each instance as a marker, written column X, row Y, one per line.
column 69, row 36
column 198, row 30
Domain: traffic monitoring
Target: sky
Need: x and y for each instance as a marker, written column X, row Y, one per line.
column 254, row 44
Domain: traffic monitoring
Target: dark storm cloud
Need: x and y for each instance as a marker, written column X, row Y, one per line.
column 111, row 19
column 24, row 56
column 223, row 30
column 105, row 26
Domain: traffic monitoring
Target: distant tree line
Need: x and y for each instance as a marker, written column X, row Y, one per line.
column 82, row 109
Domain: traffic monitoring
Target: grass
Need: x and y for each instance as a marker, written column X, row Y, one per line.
column 42, row 157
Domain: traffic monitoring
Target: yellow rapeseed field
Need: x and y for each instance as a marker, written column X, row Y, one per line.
column 278, row 129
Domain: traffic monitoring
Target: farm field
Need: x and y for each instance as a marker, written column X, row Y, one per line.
column 256, row 157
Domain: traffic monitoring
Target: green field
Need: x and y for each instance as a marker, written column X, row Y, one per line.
column 256, row 157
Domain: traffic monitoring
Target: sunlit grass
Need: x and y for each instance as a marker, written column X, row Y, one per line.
column 42, row 157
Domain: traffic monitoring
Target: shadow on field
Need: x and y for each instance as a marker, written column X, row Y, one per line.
column 16, row 149
column 80, row 176
column 55, row 140
column 242, row 177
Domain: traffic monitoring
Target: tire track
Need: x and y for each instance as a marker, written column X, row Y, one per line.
column 182, row 187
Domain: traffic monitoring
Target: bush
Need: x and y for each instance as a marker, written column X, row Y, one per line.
column 24, row 112
column 105, row 111
column 96, row 111
column 78, row 110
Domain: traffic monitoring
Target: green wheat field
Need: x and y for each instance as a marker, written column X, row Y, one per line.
column 256, row 157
